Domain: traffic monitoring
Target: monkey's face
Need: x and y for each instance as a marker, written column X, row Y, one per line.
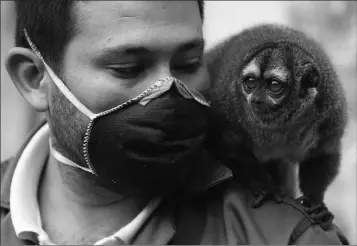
column 279, row 84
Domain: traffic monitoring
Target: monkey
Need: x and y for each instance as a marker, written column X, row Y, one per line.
column 276, row 103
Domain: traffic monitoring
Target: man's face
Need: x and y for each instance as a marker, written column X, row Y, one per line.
column 124, row 46
column 119, row 50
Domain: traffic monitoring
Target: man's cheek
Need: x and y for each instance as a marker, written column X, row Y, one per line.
column 95, row 88
column 67, row 127
column 199, row 81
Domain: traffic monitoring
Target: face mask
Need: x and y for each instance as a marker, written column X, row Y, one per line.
column 147, row 144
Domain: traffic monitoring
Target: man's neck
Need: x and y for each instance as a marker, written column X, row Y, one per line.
column 74, row 207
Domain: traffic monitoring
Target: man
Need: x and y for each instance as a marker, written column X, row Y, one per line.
column 120, row 159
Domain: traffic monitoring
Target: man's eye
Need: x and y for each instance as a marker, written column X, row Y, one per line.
column 126, row 71
column 189, row 66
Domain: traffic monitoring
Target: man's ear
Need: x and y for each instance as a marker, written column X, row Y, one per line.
column 28, row 73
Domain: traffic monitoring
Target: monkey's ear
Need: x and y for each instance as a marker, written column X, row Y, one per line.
column 309, row 79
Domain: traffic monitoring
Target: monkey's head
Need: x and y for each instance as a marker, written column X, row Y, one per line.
column 279, row 83
column 277, row 75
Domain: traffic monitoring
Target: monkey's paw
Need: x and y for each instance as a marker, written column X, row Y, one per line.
column 318, row 213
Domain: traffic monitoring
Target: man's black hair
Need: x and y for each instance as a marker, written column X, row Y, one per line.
column 50, row 25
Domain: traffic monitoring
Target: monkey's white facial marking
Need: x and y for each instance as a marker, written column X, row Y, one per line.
column 249, row 97
column 274, row 101
column 252, row 68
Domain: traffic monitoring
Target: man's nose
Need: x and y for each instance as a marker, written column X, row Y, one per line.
column 162, row 71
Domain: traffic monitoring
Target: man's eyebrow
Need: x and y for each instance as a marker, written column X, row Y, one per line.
column 132, row 49
column 193, row 44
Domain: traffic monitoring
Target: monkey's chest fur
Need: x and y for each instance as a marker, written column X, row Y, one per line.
column 289, row 145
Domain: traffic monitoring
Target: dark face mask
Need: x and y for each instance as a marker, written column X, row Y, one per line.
column 148, row 144
column 151, row 147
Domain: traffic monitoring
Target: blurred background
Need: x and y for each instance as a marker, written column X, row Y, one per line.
column 332, row 23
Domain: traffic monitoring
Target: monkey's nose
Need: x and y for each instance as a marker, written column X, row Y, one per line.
column 259, row 105
column 258, row 101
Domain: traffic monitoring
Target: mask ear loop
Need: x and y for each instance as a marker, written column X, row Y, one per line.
column 59, row 157
column 61, row 86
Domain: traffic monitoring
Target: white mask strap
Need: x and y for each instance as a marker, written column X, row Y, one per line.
column 61, row 86
column 59, row 157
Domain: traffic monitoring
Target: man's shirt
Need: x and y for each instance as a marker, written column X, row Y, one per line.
column 214, row 211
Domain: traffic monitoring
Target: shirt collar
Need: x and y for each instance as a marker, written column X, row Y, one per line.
column 213, row 174
column 23, row 191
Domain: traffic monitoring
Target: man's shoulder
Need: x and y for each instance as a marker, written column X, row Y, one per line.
column 5, row 165
column 284, row 219
column 225, row 216
column 6, row 176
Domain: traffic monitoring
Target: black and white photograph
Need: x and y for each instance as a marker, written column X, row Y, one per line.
column 178, row 122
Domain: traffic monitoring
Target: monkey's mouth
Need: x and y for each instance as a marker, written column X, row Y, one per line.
column 264, row 110
column 267, row 115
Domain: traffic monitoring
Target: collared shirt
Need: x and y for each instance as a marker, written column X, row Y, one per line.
column 26, row 217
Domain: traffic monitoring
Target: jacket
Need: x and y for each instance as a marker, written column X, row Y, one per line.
column 217, row 212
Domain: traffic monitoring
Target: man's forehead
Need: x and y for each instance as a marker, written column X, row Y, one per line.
column 136, row 20
column 128, row 8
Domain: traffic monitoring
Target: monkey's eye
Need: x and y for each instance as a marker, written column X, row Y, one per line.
column 250, row 82
column 275, row 86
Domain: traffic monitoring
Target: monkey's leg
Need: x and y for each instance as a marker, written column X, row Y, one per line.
column 316, row 174
column 284, row 175
column 276, row 169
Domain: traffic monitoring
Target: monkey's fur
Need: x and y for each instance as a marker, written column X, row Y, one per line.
column 260, row 136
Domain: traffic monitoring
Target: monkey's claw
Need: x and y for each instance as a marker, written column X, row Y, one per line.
column 271, row 193
column 321, row 215
column 260, row 198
